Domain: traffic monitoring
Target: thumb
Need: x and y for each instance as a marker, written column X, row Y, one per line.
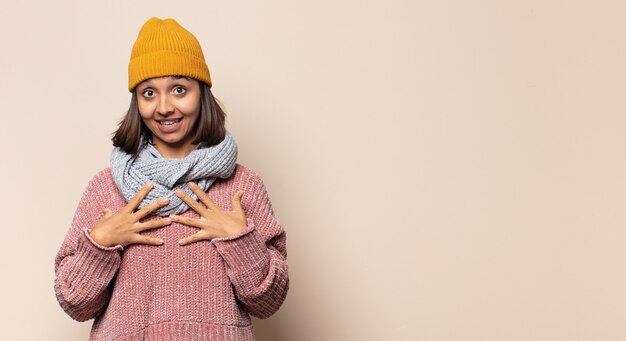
column 237, row 201
column 107, row 212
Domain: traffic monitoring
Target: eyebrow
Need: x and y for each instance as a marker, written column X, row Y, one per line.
column 147, row 83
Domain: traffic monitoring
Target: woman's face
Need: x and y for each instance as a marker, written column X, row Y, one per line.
column 169, row 106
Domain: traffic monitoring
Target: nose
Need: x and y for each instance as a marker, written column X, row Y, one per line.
column 165, row 106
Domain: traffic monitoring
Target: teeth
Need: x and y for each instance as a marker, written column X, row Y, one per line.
column 169, row 123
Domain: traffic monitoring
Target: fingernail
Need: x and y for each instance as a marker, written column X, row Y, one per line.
column 168, row 220
column 160, row 241
column 165, row 200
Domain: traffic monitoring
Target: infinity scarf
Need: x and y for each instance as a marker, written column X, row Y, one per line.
column 203, row 166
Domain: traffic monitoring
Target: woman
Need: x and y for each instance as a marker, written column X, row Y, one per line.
column 175, row 240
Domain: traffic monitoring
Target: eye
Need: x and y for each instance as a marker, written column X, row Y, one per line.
column 180, row 90
column 147, row 93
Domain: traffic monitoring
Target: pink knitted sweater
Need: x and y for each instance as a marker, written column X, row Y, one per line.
column 202, row 291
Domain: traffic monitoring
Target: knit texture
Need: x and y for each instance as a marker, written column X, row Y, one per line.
column 164, row 48
column 203, row 165
column 203, row 291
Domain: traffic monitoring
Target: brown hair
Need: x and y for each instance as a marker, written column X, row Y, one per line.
column 210, row 127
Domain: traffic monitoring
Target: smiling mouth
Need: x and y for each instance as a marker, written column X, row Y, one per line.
column 169, row 122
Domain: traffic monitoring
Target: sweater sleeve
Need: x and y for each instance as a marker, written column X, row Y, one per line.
column 84, row 269
column 256, row 259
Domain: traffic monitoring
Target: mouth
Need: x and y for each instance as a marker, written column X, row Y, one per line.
column 170, row 125
column 169, row 122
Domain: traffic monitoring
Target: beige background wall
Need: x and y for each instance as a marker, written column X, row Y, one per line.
column 445, row 170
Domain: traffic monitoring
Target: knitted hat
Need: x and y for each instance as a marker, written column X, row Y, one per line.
column 164, row 48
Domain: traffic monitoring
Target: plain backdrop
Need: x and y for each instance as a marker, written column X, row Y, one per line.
column 445, row 170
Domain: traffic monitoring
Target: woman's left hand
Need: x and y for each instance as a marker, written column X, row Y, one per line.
column 214, row 222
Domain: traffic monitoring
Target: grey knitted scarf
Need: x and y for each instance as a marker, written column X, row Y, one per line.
column 203, row 166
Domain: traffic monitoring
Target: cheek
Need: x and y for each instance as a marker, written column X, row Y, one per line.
column 190, row 107
column 145, row 109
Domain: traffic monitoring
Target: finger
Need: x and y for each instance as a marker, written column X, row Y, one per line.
column 152, row 224
column 107, row 213
column 191, row 202
column 139, row 239
column 150, row 207
column 196, row 237
column 188, row 221
column 202, row 195
column 138, row 198
column 237, row 201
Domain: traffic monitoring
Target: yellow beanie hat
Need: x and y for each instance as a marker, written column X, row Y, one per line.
column 165, row 48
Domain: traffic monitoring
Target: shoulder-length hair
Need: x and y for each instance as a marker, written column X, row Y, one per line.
column 210, row 127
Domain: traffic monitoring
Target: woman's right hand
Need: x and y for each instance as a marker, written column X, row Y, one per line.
column 123, row 228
